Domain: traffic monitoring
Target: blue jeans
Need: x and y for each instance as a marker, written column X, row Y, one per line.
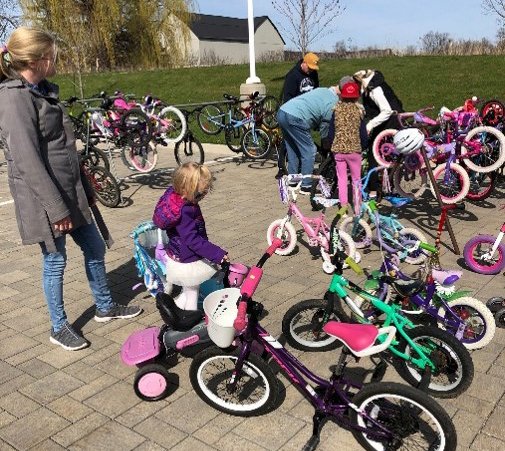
column 93, row 248
column 299, row 145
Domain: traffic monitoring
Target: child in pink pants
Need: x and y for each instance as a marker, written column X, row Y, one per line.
column 349, row 138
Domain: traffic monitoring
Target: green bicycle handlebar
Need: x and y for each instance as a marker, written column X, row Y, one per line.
column 353, row 265
column 428, row 247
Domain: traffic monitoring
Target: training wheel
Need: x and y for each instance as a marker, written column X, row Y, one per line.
column 152, row 382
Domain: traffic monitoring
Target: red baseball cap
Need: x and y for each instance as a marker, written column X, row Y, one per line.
column 350, row 90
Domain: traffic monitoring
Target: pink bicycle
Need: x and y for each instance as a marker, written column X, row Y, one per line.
column 317, row 230
column 485, row 254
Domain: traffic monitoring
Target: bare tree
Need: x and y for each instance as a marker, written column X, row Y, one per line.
column 10, row 14
column 308, row 20
column 436, row 43
column 495, row 7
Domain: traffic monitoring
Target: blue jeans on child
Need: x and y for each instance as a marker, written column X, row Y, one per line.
column 299, row 145
column 93, row 248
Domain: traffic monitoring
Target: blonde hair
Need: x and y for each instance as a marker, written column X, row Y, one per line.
column 24, row 46
column 191, row 178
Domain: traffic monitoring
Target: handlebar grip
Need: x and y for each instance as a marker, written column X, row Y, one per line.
column 428, row 247
column 276, row 244
column 354, row 266
column 240, row 321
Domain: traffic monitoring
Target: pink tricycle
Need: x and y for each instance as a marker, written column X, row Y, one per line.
column 151, row 349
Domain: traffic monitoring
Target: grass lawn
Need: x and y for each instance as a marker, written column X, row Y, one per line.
column 418, row 80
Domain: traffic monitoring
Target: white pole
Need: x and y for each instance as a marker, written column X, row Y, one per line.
column 252, row 57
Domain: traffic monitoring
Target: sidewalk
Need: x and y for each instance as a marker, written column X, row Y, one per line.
column 51, row 399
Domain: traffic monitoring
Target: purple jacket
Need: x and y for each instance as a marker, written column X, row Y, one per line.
column 185, row 227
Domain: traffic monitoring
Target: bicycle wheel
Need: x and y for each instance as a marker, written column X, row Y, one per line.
column 360, row 232
column 410, row 183
column 256, row 143
column 187, row 150
column 152, row 382
column 233, row 137
column 136, row 127
column 105, row 185
column 408, row 236
column 481, row 185
column 328, row 171
column 173, row 124
column 288, row 236
column 256, row 389
column 383, row 149
column 95, row 157
column 141, row 158
column 499, row 317
column 454, row 186
column 480, row 325
column 210, row 119
column 410, row 418
column 269, row 107
column 453, row 372
column 302, row 326
column 479, row 256
column 492, row 149
column 492, row 113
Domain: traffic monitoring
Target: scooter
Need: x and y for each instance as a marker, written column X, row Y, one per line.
column 151, row 349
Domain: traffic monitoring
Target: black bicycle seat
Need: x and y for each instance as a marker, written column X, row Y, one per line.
column 181, row 320
column 408, row 287
column 230, row 97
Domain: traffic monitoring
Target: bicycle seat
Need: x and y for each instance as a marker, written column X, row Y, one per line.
column 181, row 320
column 357, row 337
column 230, row 97
column 408, row 287
column 446, row 277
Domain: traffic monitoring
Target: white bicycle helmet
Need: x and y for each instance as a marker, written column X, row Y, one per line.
column 408, row 140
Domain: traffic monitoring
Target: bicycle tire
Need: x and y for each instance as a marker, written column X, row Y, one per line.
column 105, row 186
column 206, row 119
column 475, row 162
column 360, row 233
column 288, row 237
column 140, row 158
column 176, row 125
column 471, row 311
column 233, row 137
column 95, row 157
column 481, row 185
column 189, row 149
column 411, row 184
column 269, row 107
column 256, row 143
column 474, row 245
column 258, row 377
column 136, row 127
column 456, row 189
column 492, row 113
column 451, row 359
column 415, row 415
column 383, row 148
column 302, row 326
column 152, row 382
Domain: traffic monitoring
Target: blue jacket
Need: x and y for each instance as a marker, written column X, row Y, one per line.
column 314, row 107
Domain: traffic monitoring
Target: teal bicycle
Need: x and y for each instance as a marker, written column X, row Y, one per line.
column 426, row 357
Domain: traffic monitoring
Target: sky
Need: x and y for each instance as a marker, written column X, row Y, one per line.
column 381, row 23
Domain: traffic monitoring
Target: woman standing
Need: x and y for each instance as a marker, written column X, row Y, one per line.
column 51, row 199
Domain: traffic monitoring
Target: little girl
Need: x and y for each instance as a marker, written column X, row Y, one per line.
column 349, row 138
column 192, row 257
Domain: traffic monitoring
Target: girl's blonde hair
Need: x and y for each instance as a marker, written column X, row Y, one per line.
column 191, row 179
column 25, row 45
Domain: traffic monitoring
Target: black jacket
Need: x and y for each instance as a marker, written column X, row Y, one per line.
column 298, row 82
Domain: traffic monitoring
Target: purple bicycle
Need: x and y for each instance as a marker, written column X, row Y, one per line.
column 380, row 415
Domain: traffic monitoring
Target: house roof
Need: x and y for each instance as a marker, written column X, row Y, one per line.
column 219, row 28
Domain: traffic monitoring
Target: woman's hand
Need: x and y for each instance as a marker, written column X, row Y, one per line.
column 63, row 225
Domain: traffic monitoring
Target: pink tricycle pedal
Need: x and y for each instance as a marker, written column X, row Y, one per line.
column 141, row 346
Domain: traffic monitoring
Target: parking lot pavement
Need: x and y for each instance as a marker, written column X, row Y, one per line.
column 51, row 399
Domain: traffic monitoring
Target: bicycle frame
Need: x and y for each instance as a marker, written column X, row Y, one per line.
column 338, row 287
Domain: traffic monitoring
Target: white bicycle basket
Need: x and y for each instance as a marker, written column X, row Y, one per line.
column 221, row 310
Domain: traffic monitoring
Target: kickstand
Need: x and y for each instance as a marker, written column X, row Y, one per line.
column 318, row 421
column 425, row 380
